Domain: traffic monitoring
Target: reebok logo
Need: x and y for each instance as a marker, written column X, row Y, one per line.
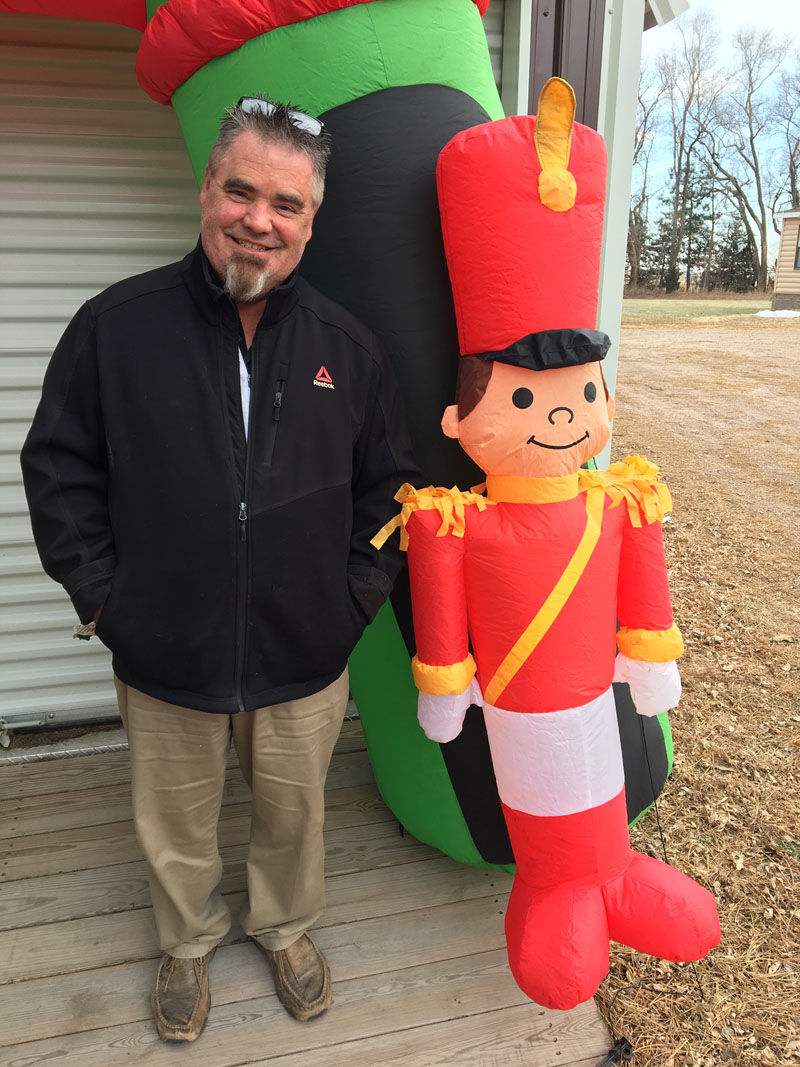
column 323, row 379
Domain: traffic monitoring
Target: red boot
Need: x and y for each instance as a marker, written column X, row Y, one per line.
column 557, row 942
column 578, row 885
column 656, row 909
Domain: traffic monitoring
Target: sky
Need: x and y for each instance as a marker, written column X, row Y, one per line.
column 780, row 15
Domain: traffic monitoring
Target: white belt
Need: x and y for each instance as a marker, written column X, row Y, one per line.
column 557, row 762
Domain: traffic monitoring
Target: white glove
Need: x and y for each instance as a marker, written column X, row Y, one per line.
column 655, row 687
column 441, row 717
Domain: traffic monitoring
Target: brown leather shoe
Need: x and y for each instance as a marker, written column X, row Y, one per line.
column 181, row 997
column 302, row 978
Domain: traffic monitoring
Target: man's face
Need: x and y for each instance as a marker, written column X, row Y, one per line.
column 256, row 215
column 535, row 424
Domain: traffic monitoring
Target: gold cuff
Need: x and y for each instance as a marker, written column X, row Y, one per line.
column 655, row 646
column 439, row 681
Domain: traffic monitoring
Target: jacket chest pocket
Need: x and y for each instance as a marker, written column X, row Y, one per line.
column 303, row 443
column 273, row 418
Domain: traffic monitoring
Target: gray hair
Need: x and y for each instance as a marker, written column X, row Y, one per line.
column 275, row 124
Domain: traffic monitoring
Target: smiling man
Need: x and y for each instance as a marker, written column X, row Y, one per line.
column 209, row 511
column 258, row 202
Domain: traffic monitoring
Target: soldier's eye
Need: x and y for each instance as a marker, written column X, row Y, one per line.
column 590, row 392
column 522, row 398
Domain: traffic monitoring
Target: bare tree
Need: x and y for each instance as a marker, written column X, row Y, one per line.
column 706, row 281
column 734, row 136
column 788, row 114
column 690, row 86
column 647, row 122
column 738, row 137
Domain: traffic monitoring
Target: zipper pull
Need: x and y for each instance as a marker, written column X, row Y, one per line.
column 243, row 520
column 277, row 403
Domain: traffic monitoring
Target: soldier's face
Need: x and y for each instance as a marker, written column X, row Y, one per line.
column 536, row 424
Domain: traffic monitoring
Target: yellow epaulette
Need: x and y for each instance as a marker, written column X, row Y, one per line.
column 450, row 504
column 636, row 481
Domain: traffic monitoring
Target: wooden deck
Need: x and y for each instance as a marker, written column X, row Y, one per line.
column 415, row 941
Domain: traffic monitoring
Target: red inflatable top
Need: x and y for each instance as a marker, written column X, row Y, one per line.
column 183, row 35
column 131, row 13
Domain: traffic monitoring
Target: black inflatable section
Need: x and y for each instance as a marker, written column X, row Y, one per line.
column 644, row 755
column 468, row 761
column 381, row 252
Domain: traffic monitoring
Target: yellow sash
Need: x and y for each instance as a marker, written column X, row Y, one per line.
column 548, row 612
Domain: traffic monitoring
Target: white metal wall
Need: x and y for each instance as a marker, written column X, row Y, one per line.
column 95, row 186
column 493, row 23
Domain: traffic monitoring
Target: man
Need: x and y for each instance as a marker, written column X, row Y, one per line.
column 215, row 445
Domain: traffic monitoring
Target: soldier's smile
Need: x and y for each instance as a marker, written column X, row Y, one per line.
column 541, row 444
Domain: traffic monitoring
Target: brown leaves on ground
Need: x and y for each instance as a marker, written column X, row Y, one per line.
column 717, row 406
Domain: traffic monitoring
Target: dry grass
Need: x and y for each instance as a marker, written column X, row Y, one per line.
column 721, row 425
column 643, row 307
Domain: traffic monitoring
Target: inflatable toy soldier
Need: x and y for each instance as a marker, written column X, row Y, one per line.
column 531, row 578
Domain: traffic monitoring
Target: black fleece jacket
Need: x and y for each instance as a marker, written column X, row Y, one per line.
column 234, row 574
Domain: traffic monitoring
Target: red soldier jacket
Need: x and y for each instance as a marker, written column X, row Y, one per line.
column 535, row 576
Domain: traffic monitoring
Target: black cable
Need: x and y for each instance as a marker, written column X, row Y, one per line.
column 623, row 1050
column 661, row 835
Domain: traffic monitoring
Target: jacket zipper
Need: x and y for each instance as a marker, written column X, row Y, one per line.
column 243, row 574
column 243, row 518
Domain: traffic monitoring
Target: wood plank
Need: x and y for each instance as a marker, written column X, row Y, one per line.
column 415, row 940
column 499, row 1038
column 114, row 995
column 411, row 886
column 79, row 848
column 350, row 769
column 123, row 886
column 112, row 768
column 366, row 948
column 93, row 806
column 63, row 775
column 351, row 737
column 101, row 996
column 105, row 940
column 390, row 1006
column 96, row 805
column 76, row 846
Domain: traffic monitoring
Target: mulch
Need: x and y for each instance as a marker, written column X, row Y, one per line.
column 730, row 813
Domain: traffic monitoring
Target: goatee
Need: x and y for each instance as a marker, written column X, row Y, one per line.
column 246, row 280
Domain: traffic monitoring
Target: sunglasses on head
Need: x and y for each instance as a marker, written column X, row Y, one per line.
column 298, row 118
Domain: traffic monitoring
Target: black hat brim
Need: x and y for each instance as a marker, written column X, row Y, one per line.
column 550, row 349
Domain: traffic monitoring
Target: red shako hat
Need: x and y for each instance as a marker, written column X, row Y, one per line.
column 521, row 203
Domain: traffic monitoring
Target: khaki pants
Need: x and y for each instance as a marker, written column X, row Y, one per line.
column 178, row 761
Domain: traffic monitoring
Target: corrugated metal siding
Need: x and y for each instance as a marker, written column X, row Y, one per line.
column 787, row 276
column 493, row 25
column 94, row 186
